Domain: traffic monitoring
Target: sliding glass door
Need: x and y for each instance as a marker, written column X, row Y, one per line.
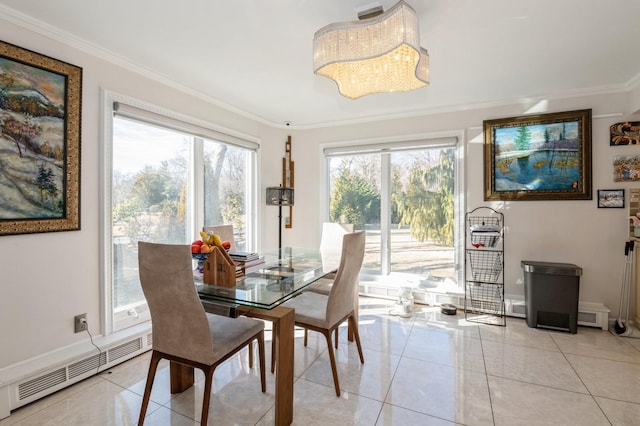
column 405, row 199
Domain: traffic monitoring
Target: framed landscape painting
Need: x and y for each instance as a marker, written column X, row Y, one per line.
column 610, row 198
column 538, row 157
column 40, row 100
column 626, row 168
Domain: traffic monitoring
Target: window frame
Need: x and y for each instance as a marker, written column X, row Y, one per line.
column 113, row 322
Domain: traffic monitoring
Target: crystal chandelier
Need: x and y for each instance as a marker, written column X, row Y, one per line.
column 373, row 55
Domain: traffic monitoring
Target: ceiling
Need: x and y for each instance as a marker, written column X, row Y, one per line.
column 255, row 57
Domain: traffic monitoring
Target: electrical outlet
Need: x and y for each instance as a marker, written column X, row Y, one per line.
column 80, row 323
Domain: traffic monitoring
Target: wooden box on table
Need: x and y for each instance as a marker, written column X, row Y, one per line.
column 219, row 269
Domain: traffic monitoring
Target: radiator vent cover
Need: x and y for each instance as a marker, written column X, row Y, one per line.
column 125, row 349
column 37, row 385
column 87, row 364
column 519, row 309
column 587, row 317
column 150, row 339
column 33, row 386
column 589, row 314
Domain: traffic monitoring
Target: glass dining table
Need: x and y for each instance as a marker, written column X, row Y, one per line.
column 259, row 294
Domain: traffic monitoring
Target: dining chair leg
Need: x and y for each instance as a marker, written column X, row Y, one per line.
column 306, row 335
column 263, row 378
column 250, row 346
column 356, row 335
column 332, row 359
column 206, row 398
column 336, row 338
column 153, row 366
column 356, row 309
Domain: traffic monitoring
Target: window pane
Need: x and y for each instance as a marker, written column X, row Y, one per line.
column 422, row 216
column 355, row 198
column 149, row 193
column 225, row 188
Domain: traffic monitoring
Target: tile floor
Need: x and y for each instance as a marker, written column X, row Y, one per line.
column 429, row 369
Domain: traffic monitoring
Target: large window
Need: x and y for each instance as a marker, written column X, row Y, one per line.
column 167, row 180
column 404, row 196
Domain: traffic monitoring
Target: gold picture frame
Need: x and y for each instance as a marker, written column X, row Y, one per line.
column 40, row 118
column 538, row 157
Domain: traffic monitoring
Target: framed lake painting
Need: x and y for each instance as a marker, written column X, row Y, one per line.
column 40, row 100
column 538, row 157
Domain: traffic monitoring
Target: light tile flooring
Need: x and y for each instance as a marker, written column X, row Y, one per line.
column 429, row 369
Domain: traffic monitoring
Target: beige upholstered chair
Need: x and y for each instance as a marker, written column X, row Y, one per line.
column 182, row 331
column 324, row 313
column 225, row 232
column 331, row 243
column 331, row 251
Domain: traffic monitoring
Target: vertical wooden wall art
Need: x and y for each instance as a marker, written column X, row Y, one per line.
column 287, row 177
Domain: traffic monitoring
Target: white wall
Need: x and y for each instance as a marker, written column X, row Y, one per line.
column 46, row 279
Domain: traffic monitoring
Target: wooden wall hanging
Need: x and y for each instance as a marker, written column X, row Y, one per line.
column 287, row 177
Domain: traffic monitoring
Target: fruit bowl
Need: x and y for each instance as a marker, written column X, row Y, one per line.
column 200, row 257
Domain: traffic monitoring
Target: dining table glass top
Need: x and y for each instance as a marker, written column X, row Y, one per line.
column 284, row 274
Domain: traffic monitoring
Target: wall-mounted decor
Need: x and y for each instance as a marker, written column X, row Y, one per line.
column 611, row 198
column 627, row 133
column 280, row 196
column 538, row 157
column 40, row 101
column 626, row 168
column 287, row 178
column 634, row 211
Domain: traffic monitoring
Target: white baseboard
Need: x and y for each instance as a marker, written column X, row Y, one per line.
column 35, row 378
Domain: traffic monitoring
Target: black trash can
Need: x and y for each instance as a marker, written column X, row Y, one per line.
column 551, row 292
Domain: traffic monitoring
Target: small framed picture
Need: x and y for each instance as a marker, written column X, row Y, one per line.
column 611, row 198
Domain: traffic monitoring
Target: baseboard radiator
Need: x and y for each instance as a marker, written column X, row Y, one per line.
column 589, row 314
column 45, row 381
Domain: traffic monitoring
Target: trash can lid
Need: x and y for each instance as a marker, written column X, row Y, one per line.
column 551, row 268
